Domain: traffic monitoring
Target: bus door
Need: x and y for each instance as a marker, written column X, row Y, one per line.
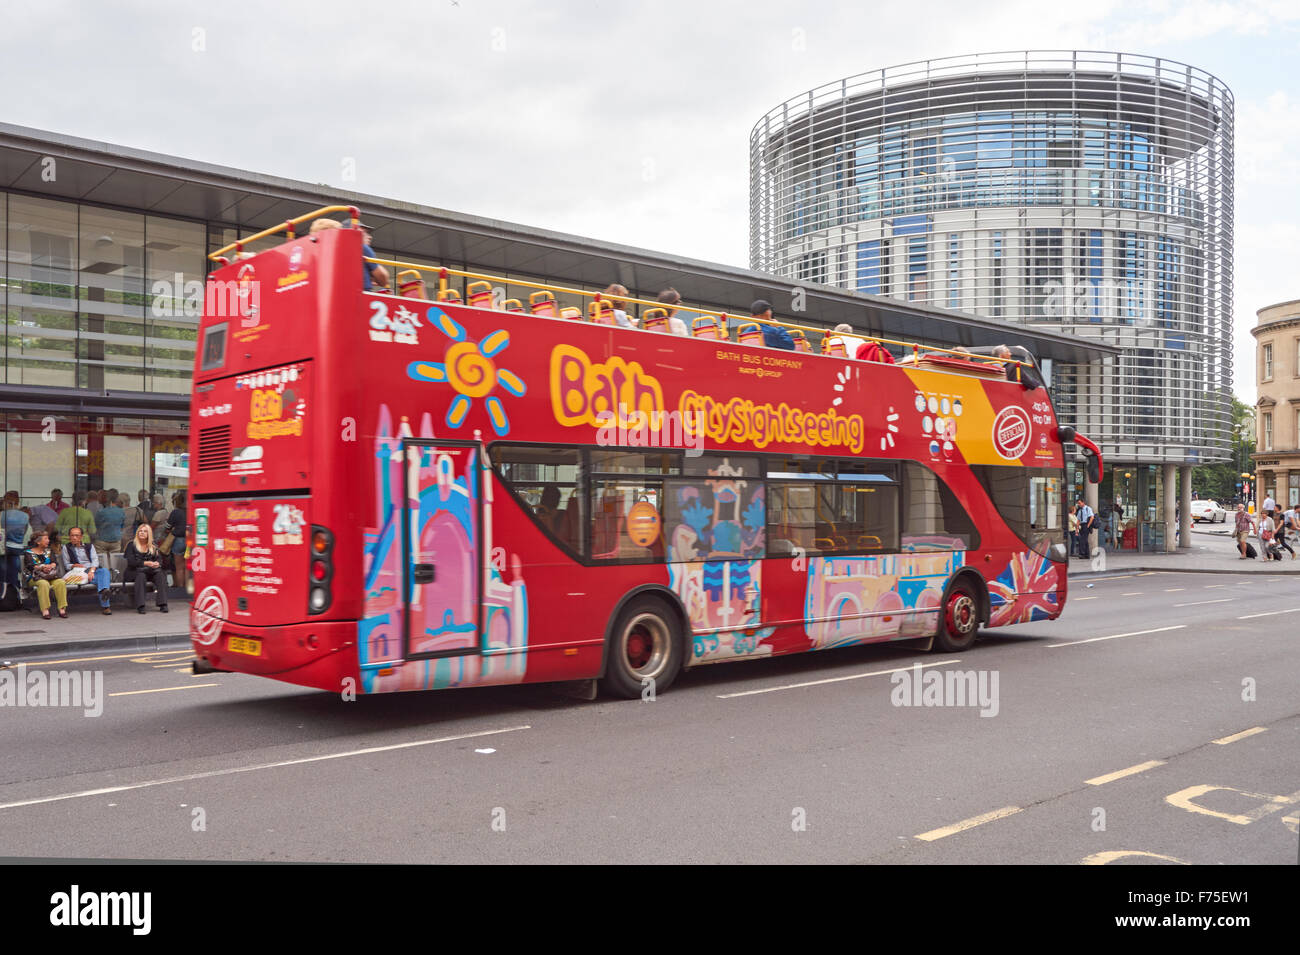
column 442, row 527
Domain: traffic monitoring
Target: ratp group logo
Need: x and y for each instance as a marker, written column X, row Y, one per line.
column 1011, row 432
column 470, row 369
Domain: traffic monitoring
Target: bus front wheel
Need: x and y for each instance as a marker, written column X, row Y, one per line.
column 961, row 618
column 645, row 649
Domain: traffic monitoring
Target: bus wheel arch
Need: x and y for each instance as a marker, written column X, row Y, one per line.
column 645, row 643
column 965, row 606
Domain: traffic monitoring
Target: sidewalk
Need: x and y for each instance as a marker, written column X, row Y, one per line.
column 24, row 634
column 1212, row 552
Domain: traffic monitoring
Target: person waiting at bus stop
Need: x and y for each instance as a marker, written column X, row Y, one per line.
column 144, row 565
column 774, row 336
column 44, row 573
column 79, row 555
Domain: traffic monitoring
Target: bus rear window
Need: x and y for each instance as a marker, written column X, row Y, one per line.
column 1030, row 500
column 214, row 347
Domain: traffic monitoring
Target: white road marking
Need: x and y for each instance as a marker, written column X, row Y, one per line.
column 1116, row 636
column 249, row 769
column 1253, row 731
column 1197, row 603
column 1271, row 613
column 970, row 823
column 1136, row 593
column 834, row 679
column 1121, row 773
column 163, row 689
column 1174, row 590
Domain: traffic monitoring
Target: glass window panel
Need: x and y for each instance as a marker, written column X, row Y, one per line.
column 715, row 518
column 40, row 257
column 627, row 520
column 636, row 462
column 933, row 518
column 175, row 263
column 111, row 300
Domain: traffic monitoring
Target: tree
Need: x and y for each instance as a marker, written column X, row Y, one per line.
column 1219, row 481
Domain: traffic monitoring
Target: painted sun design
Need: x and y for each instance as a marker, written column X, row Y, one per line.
column 469, row 368
column 891, row 429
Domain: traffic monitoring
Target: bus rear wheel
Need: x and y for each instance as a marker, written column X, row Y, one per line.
column 645, row 649
column 961, row 618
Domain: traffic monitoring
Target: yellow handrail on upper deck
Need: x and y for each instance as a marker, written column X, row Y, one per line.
column 442, row 272
column 287, row 227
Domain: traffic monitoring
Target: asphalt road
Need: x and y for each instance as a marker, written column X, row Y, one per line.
column 1158, row 721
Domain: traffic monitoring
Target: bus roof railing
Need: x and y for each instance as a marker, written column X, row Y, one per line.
column 289, row 227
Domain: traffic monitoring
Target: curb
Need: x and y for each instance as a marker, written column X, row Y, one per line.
column 137, row 644
column 1111, row 571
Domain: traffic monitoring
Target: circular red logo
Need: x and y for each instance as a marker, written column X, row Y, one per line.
column 207, row 615
column 1011, row 432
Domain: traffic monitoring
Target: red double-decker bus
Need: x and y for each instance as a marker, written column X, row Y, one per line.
column 396, row 493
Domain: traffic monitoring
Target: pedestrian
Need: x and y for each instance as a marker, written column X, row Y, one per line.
column 144, row 507
column 110, row 522
column 78, row 555
column 1243, row 527
column 17, row 532
column 774, row 336
column 44, row 573
column 1074, row 528
column 57, row 503
column 1267, row 545
column 1087, row 523
column 1268, row 504
column 144, row 565
column 78, row 515
column 175, row 528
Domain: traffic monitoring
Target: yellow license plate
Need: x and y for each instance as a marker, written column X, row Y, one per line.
column 245, row 645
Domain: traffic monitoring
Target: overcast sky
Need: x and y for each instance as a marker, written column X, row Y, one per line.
column 626, row 122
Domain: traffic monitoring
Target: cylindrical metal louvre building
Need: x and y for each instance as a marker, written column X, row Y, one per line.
column 1087, row 192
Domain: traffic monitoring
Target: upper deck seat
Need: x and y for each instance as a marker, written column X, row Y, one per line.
column 749, row 334
column 480, row 294
column 601, row 312
column 707, row 326
column 512, row 305
column 410, row 285
column 833, row 346
column 542, row 303
column 655, row 320
column 449, row 295
column 571, row 312
column 800, row 341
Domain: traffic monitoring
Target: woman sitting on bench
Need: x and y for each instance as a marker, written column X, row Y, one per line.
column 144, row 564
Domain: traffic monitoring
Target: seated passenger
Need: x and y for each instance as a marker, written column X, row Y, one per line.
column 616, row 294
column 773, row 335
column 375, row 274
column 851, row 345
column 547, row 510
column 676, row 325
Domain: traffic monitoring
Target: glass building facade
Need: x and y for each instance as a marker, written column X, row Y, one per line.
column 1089, row 193
column 103, row 301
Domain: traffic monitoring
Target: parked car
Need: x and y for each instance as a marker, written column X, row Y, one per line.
column 1208, row 511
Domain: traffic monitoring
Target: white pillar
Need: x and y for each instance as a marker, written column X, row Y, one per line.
column 1167, row 472
column 1090, row 498
column 1185, row 506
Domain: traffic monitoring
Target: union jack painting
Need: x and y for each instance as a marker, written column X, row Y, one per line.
column 1025, row 591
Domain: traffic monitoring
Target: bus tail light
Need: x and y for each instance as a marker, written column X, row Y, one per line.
column 321, row 570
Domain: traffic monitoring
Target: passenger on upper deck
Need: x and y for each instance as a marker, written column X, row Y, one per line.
column 677, row 326
column 851, row 345
column 375, row 274
column 616, row 294
column 774, row 336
